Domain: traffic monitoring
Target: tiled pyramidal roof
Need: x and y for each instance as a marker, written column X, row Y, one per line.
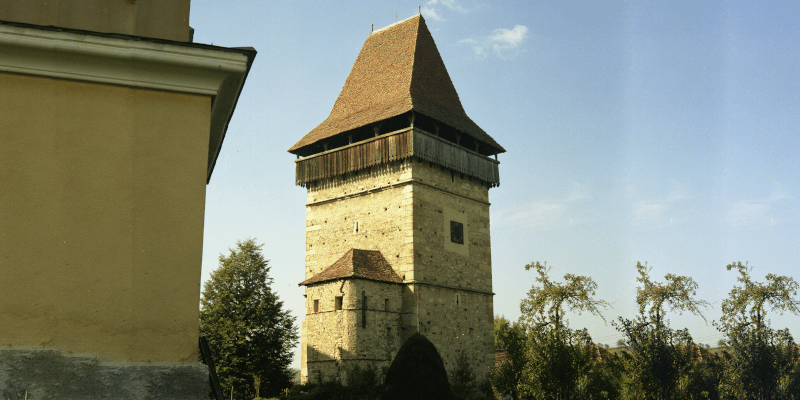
column 357, row 264
column 398, row 70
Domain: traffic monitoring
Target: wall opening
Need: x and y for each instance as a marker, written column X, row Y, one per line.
column 337, row 305
column 386, row 305
column 363, row 309
column 316, row 306
column 456, row 232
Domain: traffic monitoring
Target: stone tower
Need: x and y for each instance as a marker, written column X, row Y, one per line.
column 397, row 223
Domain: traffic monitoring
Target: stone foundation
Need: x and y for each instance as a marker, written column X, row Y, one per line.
column 50, row 374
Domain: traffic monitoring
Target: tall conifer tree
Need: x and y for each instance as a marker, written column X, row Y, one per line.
column 249, row 333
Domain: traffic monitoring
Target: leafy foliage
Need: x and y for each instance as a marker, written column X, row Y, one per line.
column 513, row 339
column 761, row 363
column 462, row 379
column 249, row 334
column 677, row 293
column 417, row 372
column 545, row 305
column 659, row 356
column 778, row 293
column 547, row 359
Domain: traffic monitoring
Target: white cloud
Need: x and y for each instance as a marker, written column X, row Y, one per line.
column 431, row 13
column 759, row 212
column 660, row 212
column 451, row 4
column 746, row 213
column 508, row 38
column 545, row 213
column 504, row 42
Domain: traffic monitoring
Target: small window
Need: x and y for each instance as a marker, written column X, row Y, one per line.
column 386, row 305
column 338, row 304
column 355, row 227
column 388, row 332
column 316, row 306
column 363, row 310
column 456, row 232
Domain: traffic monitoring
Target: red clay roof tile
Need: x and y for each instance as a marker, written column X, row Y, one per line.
column 357, row 264
column 399, row 69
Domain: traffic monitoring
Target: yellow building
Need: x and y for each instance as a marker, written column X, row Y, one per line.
column 397, row 240
column 111, row 121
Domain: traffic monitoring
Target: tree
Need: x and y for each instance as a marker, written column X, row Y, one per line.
column 249, row 334
column 778, row 293
column 559, row 358
column 678, row 294
column 660, row 357
column 762, row 362
column 545, row 305
column 511, row 338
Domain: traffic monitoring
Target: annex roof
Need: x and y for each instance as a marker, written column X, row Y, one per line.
column 357, row 264
column 398, row 70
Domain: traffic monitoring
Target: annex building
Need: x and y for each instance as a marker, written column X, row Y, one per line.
column 397, row 224
column 111, row 121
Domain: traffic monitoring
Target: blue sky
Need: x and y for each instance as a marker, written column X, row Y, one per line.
column 665, row 132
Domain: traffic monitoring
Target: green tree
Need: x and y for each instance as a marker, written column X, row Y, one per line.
column 248, row 332
column 545, row 305
column 762, row 362
column 512, row 338
column 746, row 304
column 660, row 358
column 559, row 358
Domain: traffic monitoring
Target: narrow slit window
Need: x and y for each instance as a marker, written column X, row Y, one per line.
column 316, row 306
column 363, row 310
column 388, row 332
column 338, row 303
column 386, row 305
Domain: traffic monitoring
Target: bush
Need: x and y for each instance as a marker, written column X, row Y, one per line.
column 462, row 379
column 417, row 372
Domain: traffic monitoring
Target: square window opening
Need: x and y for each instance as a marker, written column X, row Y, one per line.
column 456, row 232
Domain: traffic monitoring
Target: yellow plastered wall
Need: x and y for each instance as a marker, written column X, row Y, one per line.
column 151, row 18
column 102, row 194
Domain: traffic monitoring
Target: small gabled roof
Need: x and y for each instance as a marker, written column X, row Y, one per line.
column 357, row 264
column 398, row 70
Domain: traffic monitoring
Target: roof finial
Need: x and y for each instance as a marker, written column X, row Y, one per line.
column 371, row 27
column 419, row 8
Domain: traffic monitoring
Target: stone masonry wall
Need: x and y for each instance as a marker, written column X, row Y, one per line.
column 377, row 200
column 455, row 298
column 336, row 339
column 403, row 209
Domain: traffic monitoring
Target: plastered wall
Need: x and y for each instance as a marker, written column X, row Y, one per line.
column 101, row 218
column 150, row 18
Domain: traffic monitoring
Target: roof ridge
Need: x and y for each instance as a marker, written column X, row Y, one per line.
column 357, row 264
column 396, row 23
column 399, row 69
